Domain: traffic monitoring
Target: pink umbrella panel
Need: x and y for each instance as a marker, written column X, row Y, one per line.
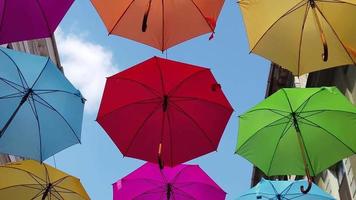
column 183, row 182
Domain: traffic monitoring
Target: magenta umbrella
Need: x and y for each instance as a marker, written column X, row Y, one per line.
column 183, row 182
column 30, row 19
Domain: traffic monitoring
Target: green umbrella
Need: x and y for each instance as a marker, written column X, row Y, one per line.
column 299, row 131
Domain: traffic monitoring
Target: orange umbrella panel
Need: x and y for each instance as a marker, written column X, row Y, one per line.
column 159, row 23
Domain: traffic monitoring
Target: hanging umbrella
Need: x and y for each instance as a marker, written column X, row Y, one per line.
column 295, row 33
column 183, row 182
column 30, row 19
column 41, row 112
column 298, row 131
column 164, row 110
column 32, row 180
column 283, row 190
column 157, row 23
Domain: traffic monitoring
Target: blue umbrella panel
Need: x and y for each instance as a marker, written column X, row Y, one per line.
column 284, row 190
column 41, row 111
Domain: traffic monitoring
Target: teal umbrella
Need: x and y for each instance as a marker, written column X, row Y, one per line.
column 283, row 190
column 41, row 111
column 299, row 131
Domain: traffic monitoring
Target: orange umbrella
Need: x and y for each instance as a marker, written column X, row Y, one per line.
column 158, row 23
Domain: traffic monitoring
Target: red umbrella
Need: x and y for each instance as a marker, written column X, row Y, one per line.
column 165, row 110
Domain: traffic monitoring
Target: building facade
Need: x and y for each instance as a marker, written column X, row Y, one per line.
column 43, row 47
column 338, row 180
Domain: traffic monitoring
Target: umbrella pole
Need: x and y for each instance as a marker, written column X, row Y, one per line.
column 23, row 100
column 325, row 55
column 302, row 149
column 169, row 191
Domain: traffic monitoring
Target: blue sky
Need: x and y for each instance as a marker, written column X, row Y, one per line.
column 88, row 54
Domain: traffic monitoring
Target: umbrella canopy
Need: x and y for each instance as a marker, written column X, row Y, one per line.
column 41, row 111
column 164, row 109
column 32, row 180
column 282, row 135
column 30, row 19
column 183, row 182
column 283, row 190
column 157, row 23
column 295, row 33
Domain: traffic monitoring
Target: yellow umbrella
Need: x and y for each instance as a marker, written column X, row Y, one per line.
column 302, row 35
column 32, row 180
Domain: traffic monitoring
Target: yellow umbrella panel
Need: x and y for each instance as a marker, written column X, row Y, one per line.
column 32, row 180
column 302, row 35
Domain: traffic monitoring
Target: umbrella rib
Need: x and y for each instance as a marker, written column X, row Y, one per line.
column 202, row 15
column 151, row 191
column 145, row 101
column 179, row 173
column 285, row 130
column 43, row 91
column 158, row 65
column 154, row 182
column 289, row 103
column 301, row 35
column 40, row 74
column 276, row 111
column 304, row 104
column 199, row 99
column 336, row 1
column 171, row 92
column 140, row 128
column 43, row 14
column 195, row 123
column 286, row 190
column 3, row 16
column 152, row 90
column 55, row 191
column 119, row 19
column 329, row 110
column 294, row 8
column 35, row 113
column 56, row 111
column 13, row 95
column 328, row 133
column 17, row 68
column 37, row 195
column 187, row 184
column 259, row 131
column 60, row 180
column 8, row 82
column 184, row 193
column 336, row 35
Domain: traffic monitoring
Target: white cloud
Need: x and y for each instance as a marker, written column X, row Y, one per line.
column 86, row 64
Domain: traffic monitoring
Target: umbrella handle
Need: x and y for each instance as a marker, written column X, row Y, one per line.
column 145, row 17
column 160, row 162
column 310, row 183
column 325, row 55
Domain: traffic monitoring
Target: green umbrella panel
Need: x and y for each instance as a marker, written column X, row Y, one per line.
column 298, row 131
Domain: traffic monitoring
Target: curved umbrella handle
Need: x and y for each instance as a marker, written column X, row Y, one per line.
column 310, row 183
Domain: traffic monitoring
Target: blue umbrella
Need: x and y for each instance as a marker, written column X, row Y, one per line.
column 41, row 111
column 284, row 190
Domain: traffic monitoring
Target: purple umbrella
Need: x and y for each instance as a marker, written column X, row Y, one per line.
column 183, row 182
column 30, row 19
